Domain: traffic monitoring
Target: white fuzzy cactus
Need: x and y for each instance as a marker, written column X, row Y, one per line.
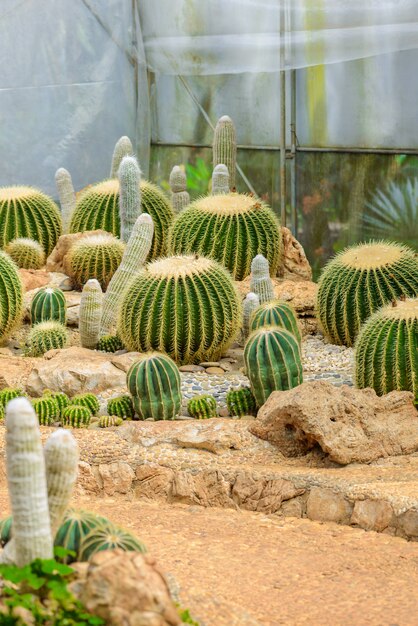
column 66, row 196
column 180, row 197
column 225, row 146
column 91, row 306
column 122, row 149
column 129, row 195
column 251, row 302
column 261, row 283
column 220, row 180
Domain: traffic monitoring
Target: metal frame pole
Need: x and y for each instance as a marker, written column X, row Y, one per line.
column 283, row 194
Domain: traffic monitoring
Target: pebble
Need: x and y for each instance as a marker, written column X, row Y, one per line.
column 214, row 370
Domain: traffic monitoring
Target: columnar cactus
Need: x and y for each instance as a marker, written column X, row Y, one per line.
column 46, row 336
column 225, row 146
column 95, row 256
column 11, row 296
column 91, row 306
column 26, row 253
column 386, row 350
column 261, row 283
column 180, row 197
column 241, row 402
column 123, row 148
column 107, row 421
column 129, row 196
column 47, row 305
column 251, row 302
column 76, row 416
column 109, row 343
column 202, row 407
column 46, row 409
column 136, row 252
column 220, row 180
column 61, row 399
column 66, row 194
column 154, row 384
column 121, row 406
column 88, row 400
column 358, row 281
column 187, row 307
column 229, row 228
column 9, row 393
column 272, row 361
column 276, row 313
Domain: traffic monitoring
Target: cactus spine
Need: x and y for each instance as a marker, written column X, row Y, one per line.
column 90, row 313
column 76, row 416
column 47, row 305
column 261, row 283
column 220, row 180
column 178, row 184
column 133, row 259
column 121, row 406
column 276, row 313
column 26, row 253
column 46, row 336
column 95, row 256
column 46, row 409
column 11, row 296
column 202, row 407
column 88, row 400
column 123, row 148
column 66, row 194
column 241, row 402
column 225, row 146
column 251, row 303
column 129, row 195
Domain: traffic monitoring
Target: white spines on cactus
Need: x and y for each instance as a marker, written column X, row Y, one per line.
column 123, row 148
column 220, row 180
column 129, row 195
column 251, row 302
column 133, row 259
column 91, row 306
column 261, row 283
column 66, row 196
column 225, row 146
column 32, row 538
column 178, row 184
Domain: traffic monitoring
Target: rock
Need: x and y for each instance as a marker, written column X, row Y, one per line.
column 34, row 279
column 191, row 368
column 372, row 514
column 326, row 506
column 223, row 412
column 66, row 284
column 295, row 265
column 208, row 437
column 115, row 477
column 265, row 496
column 350, row 425
column 207, row 364
column 15, row 370
column 215, row 370
column 57, row 260
column 408, row 523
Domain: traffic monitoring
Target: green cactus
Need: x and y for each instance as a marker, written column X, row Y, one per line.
column 241, row 402
column 76, row 416
column 225, row 146
column 46, row 336
column 2, row 412
column 5, row 530
column 187, row 307
column 386, row 350
column 230, row 228
column 121, row 406
column 358, row 281
column 8, row 393
column 110, row 343
column 202, row 407
column 220, row 180
column 47, row 410
column 261, row 283
column 47, row 305
column 61, row 399
column 276, row 313
column 91, row 306
column 95, row 256
column 251, row 303
column 129, row 176
column 26, row 253
column 98, row 208
column 108, row 536
column 27, row 212
column 76, row 525
column 272, row 361
column 123, row 148
column 66, row 196
column 107, row 421
column 11, row 296
column 154, row 384
column 180, row 197
column 88, row 400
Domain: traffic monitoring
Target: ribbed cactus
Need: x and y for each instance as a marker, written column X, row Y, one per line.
column 154, row 384
column 136, row 252
column 187, row 307
column 276, row 313
column 110, row 343
column 107, row 421
column 91, row 307
column 180, row 197
column 27, row 212
column 261, row 283
column 121, row 406
column 46, row 336
column 26, row 253
column 250, row 304
column 46, row 409
column 202, row 407
column 272, row 361
column 230, row 228
column 66, row 194
column 75, row 526
column 95, row 256
column 9, row 393
column 2, row 412
column 241, row 402
column 61, row 399
column 48, row 304
column 76, row 416
column 225, row 146
column 386, row 350
column 98, row 208
column 123, row 148
column 220, row 180
column 108, row 536
column 358, row 281
column 129, row 176
column 88, row 400
column 11, row 296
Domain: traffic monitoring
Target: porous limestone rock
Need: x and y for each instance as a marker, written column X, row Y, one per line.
column 294, row 264
column 33, row 279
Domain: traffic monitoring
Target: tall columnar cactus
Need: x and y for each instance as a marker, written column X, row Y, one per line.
column 230, row 228
column 180, row 197
column 26, row 253
column 202, row 407
column 98, row 207
column 251, row 303
column 76, row 416
column 46, row 336
column 88, row 400
column 46, row 409
column 95, row 256
column 91, row 306
column 272, row 361
column 386, row 350
column 261, row 283
column 358, row 281
column 241, row 402
column 220, row 180
column 155, row 386
column 121, row 406
column 129, row 176
column 187, row 307
column 48, row 305
column 123, row 148
column 66, row 194
column 11, row 296
column 27, row 212
column 225, row 146
column 136, row 252
column 276, row 313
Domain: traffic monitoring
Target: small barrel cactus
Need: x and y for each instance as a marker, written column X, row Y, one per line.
column 109, row 343
column 154, row 384
column 272, row 361
column 108, row 536
column 47, row 305
column 250, row 304
column 61, row 399
column 202, row 407
column 26, row 253
column 180, row 197
column 91, row 306
column 76, row 525
column 386, row 350
column 241, row 402
column 276, row 313
column 95, row 256
column 220, row 180
column 66, row 194
column 121, row 406
column 129, row 176
column 76, row 416
column 8, row 393
column 123, row 148
column 261, row 283
column 88, row 400
column 225, row 146
column 47, row 410
column 358, row 281
column 46, row 336
column 11, row 296
column 107, row 421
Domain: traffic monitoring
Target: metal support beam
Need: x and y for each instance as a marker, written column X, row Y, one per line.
column 283, row 195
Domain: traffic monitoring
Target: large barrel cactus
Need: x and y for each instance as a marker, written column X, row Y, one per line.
column 95, row 256
column 11, row 296
column 98, row 207
column 276, row 313
column 154, row 383
column 358, row 281
column 230, row 228
column 386, row 350
column 185, row 306
column 272, row 361
column 47, row 305
column 27, row 212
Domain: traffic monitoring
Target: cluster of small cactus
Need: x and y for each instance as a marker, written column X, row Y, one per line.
column 91, row 307
column 26, row 253
column 107, row 421
column 129, row 176
column 110, row 343
column 261, row 283
column 276, row 313
column 47, row 410
column 241, row 402
column 60, row 398
column 47, row 305
column 66, row 194
column 76, row 416
column 9, row 393
column 225, row 146
column 121, row 406
column 46, row 336
column 202, row 407
column 11, row 296
column 95, row 256
column 88, row 400
column 180, row 197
